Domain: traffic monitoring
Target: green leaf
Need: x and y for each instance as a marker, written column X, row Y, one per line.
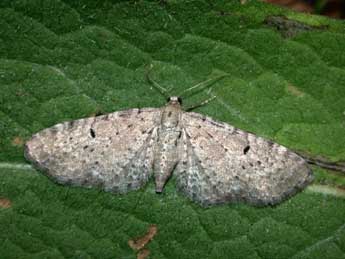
column 64, row 60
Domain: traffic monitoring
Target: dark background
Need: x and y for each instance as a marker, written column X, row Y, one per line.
column 332, row 8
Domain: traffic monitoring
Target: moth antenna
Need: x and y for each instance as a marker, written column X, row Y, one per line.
column 202, row 84
column 163, row 91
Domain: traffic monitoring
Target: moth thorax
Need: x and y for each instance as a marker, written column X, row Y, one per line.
column 174, row 100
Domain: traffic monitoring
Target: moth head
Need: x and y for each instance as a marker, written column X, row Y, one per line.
column 174, row 100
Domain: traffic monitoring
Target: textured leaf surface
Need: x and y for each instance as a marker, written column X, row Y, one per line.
column 62, row 60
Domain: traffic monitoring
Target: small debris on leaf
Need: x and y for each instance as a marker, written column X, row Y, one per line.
column 5, row 203
column 17, row 141
column 139, row 243
column 294, row 90
column 288, row 27
column 142, row 254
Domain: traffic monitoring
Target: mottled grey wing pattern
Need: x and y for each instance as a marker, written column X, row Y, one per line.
column 113, row 151
column 224, row 164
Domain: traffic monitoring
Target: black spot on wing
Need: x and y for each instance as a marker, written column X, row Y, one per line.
column 70, row 124
column 246, row 149
column 92, row 133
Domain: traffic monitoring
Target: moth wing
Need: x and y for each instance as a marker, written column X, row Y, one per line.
column 113, row 151
column 225, row 164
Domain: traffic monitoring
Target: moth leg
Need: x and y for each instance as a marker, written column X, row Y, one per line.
column 203, row 84
column 200, row 104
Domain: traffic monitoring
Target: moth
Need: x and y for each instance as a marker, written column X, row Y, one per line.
column 212, row 162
